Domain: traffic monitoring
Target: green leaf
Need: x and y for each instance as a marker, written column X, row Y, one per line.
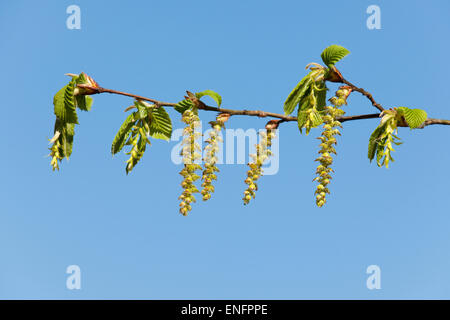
column 379, row 151
column 142, row 108
column 321, row 96
column 89, row 101
column 67, row 139
column 64, row 104
column 123, row 133
column 374, row 140
column 302, row 116
column 183, row 105
column 414, row 117
column 297, row 94
column 333, row 54
column 309, row 118
column 84, row 102
column 80, row 79
column 212, row 94
column 303, row 112
column 160, row 123
column 316, row 119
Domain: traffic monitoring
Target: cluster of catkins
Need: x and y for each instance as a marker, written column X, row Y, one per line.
column 190, row 153
column 328, row 141
column 210, row 159
column 262, row 154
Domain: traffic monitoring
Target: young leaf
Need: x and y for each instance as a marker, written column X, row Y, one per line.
column 183, row 105
column 374, row 141
column 160, row 123
column 379, row 151
column 321, row 96
column 316, row 118
column 212, row 94
column 142, row 108
column 80, row 79
column 84, row 102
column 67, row 139
column 333, row 54
column 414, row 117
column 64, row 104
column 303, row 112
column 89, row 101
column 309, row 118
column 302, row 116
column 123, row 133
column 297, row 94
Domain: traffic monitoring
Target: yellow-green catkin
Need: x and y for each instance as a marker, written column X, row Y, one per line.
column 210, row 160
column 56, row 155
column 327, row 143
column 134, row 154
column 190, row 153
column 263, row 152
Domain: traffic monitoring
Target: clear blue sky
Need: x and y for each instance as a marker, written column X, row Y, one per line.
column 125, row 232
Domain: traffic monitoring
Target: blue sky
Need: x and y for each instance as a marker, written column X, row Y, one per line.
column 125, row 232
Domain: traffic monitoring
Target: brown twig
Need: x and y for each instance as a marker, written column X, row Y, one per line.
column 368, row 95
column 264, row 114
column 431, row 121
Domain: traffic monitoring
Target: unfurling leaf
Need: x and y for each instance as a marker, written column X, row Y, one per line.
column 123, row 134
column 413, row 117
column 142, row 109
column 374, row 140
column 333, row 54
column 310, row 106
column 212, row 94
column 321, row 96
column 156, row 119
column 296, row 95
column 64, row 104
column 148, row 121
column 184, row 105
column 383, row 138
column 84, row 102
column 309, row 118
column 160, row 124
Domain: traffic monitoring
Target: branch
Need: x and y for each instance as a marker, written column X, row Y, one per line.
column 431, row 121
column 368, row 95
column 263, row 114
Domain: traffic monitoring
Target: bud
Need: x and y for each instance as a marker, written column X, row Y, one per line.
column 223, row 117
column 272, row 124
column 88, row 86
column 344, row 92
column 334, row 75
